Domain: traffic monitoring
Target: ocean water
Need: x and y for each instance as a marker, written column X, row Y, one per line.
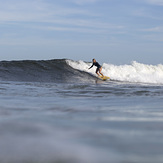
column 58, row 111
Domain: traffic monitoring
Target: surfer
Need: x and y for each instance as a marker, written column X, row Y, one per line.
column 99, row 67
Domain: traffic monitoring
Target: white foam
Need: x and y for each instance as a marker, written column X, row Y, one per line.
column 135, row 72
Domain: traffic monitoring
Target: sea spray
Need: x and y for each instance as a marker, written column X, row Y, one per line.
column 135, row 72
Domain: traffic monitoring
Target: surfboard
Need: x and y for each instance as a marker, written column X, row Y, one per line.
column 104, row 77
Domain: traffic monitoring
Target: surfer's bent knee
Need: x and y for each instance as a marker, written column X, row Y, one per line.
column 100, row 69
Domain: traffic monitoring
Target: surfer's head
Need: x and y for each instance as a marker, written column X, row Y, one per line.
column 93, row 60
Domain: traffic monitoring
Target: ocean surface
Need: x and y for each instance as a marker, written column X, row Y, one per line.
column 58, row 111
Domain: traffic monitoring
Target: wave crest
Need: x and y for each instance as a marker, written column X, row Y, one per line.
column 135, row 72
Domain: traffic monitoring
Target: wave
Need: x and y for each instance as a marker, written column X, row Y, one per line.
column 135, row 72
column 64, row 70
column 57, row 70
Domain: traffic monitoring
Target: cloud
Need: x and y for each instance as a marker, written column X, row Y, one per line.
column 153, row 34
column 153, row 37
column 82, row 2
column 21, row 10
column 155, row 2
column 53, row 16
column 29, row 10
column 144, row 12
column 155, row 29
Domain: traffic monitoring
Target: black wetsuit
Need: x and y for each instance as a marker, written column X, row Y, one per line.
column 96, row 64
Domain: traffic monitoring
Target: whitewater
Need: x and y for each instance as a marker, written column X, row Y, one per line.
column 58, row 111
column 135, row 73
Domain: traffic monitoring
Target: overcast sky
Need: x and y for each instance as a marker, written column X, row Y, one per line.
column 112, row 31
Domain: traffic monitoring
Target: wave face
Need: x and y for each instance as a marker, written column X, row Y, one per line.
column 135, row 73
column 57, row 70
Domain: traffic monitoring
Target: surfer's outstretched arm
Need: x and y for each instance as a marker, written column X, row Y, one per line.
column 90, row 67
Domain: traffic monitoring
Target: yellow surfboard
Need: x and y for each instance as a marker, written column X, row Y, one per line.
column 104, row 77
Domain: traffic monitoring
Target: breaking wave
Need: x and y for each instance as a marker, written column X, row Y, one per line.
column 135, row 73
column 64, row 70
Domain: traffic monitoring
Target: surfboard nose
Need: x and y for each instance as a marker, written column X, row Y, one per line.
column 104, row 77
